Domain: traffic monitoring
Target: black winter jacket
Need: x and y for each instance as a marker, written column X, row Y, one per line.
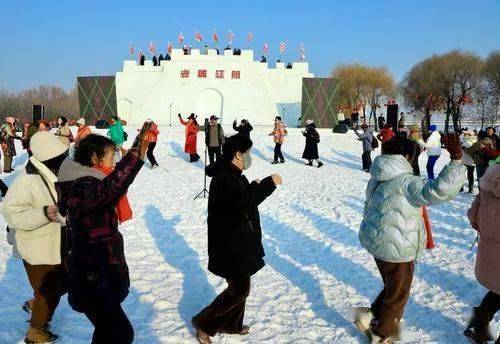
column 234, row 232
column 243, row 129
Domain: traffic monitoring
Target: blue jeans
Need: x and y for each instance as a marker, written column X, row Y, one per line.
column 431, row 161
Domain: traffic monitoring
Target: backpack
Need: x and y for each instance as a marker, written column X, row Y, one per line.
column 316, row 137
column 125, row 136
column 374, row 142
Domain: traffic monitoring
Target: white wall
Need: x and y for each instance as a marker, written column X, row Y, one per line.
column 259, row 94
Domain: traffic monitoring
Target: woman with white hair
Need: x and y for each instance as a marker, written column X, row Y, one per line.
column 312, row 140
column 83, row 130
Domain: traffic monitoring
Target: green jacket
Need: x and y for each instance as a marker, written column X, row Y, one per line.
column 115, row 133
column 392, row 229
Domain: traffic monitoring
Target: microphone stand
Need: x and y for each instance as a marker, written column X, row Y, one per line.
column 204, row 192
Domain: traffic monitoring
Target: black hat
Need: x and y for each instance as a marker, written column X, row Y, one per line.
column 213, row 117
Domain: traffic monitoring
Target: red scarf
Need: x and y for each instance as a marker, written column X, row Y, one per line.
column 428, row 230
column 123, row 210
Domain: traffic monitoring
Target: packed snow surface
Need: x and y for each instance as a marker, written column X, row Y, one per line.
column 316, row 269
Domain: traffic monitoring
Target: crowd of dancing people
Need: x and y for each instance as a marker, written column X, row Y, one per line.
column 64, row 211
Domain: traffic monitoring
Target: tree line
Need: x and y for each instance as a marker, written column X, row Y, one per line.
column 458, row 83
column 56, row 100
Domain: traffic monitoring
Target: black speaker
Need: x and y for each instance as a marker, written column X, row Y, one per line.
column 392, row 116
column 38, row 113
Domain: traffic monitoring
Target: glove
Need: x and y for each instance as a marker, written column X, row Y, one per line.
column 179, row 115
column 453, row 146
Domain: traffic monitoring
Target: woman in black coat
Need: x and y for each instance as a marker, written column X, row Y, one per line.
column 235, row 249
column 244, row 128
column 312, row 140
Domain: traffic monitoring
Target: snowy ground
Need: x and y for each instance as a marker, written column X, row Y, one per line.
column 316, row 269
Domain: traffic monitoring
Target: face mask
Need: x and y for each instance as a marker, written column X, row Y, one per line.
column 247, row 160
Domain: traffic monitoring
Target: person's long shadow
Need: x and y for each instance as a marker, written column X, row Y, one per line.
column 306, row 282
column 259, row 154
column 287, row 156
column 311, row 252
column 347, row 156
column 14, row 290
column 346, row 161
column 197, row 291
column 179, row 152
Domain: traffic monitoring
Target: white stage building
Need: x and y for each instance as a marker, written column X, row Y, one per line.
column 229, row 86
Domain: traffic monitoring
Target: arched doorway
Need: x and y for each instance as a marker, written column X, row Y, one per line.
column 210, row 102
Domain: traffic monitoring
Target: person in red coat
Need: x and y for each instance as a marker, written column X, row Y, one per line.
column 192, row 129
column 386, row 134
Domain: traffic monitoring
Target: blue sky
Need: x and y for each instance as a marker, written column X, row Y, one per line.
column 52, row 42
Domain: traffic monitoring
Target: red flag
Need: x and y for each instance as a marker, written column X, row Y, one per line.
column 169, row 47
column 180, row 38
column 265, row 49
column 152, row 48
column 249, row 37
column 215, row 38
column 198, row 36
column 282, row 47
column 131, row 49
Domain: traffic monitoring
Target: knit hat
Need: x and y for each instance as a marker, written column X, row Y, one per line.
column 414, row 128
column 46, row 146
column 469, row 132
column 81, row 121
column 309, row 122
column 433, row 127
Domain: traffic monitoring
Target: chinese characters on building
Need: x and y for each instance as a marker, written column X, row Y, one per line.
column 203, row 74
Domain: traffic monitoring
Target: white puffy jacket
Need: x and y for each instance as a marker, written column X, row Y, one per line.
column 392, row 228
column 433, row 144
column 34, row 238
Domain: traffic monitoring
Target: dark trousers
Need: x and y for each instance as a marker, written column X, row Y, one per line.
column 470, row 177
column 111, row 325
column 487, row 309
column 431, row 161
column 194, row 157
column 389, row 305
column 416, row 168
column 151, row 157
column 48, row 287
column 225, row 314
column 367, row 160
column 7, row 163
column 481, row 170
column 214, row 154
column 3, row 188
column 277, row 152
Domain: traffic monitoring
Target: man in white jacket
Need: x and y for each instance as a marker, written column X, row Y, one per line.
column 35, row 231
column 433, row 147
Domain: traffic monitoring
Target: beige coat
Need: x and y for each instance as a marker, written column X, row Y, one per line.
column 485, row 217
column 34, row 238
column 64, row 134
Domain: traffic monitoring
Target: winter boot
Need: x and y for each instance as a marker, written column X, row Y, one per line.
column 376, row 339
column 40, row 336
column 363, row 317
column 320, row 164
column 478, row 330
column 282, row 161
column 274, row 162
column 310, row 163
column 201, row 337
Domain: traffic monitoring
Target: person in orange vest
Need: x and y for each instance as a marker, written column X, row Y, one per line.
column 152, row 137
column 83, row 130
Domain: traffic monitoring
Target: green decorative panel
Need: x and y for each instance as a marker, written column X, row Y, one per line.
column 320, row 101
column 96, row 97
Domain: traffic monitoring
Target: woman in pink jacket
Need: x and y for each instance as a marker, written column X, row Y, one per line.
column 279, row 138
column 484, row 216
